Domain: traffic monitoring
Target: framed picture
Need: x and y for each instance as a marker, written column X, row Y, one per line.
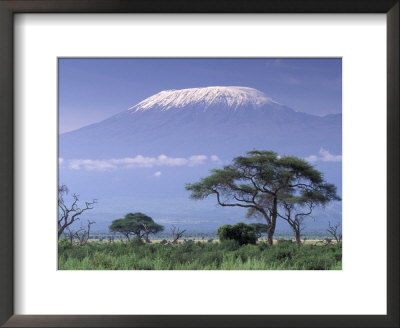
column 123, row 114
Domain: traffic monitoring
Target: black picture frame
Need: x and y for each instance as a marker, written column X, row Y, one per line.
column 10, row 7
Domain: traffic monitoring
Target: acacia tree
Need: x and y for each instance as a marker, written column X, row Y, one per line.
column 122, row 226
column 150, row 227
column 68, row 214
column 137, row 224
column 259, row 182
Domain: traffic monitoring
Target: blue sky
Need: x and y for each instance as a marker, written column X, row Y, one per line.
column 91, row 90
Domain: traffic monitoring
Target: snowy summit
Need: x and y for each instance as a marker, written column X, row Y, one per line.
column 221, row 96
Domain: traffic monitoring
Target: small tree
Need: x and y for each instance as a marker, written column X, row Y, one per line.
column 333, row 231
column 295, row 217
column 70, row 235
column 82, row 235
column 176, row 234
column 150, row 227
column 137, row 224
column 68, row 214
column 122, row 226
column 295, row 208
column 241, row 232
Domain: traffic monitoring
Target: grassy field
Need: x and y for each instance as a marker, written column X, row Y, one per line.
column 190, row 255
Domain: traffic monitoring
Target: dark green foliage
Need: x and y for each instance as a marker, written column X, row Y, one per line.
column 229, row 245
column 262, row 246
column 63, row 244
column 226, row 255
column 138, row 224
column 135, row 242
column 260, row 229
column 241, row 232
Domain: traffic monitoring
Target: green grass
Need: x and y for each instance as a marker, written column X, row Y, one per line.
column 226, row 255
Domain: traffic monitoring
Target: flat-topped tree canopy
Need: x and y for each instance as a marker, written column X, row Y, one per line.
column 138, row 224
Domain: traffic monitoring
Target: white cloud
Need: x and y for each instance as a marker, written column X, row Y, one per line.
column 89, row 164
column 324, row 156
column 157, row 174
column 138, row 161
column 311, row 158
column 197, row 160
column 60, row 160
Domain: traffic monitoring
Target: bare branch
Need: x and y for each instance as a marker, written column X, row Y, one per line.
column 333, row 230
column 69, row 214
column 176, row 234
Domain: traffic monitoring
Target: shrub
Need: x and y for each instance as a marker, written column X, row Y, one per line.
column 211, row 258
column 263, row 246
column 241, row 232
column 247, row 252
column 136, row 242
column 229, row 245
column 64, row 243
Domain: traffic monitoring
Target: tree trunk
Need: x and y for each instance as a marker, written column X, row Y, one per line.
column 60, row 231
column 147, row 238
column 271, row 231
column 274, row 215
column 298, row 239
column 270, row 237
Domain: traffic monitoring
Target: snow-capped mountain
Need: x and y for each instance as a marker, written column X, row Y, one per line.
column 207, row 98
column 217, row 119
column 177, row 136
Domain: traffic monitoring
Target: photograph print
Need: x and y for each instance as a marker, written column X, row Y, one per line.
column 199, row 164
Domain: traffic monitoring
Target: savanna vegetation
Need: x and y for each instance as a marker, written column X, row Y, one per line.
column 268, row 186
column 224, row 255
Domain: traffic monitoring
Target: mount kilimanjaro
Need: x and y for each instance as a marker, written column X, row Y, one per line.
column 223, row 120
column 177, row 136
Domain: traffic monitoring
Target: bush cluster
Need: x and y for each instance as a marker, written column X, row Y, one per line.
column 241, row 232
